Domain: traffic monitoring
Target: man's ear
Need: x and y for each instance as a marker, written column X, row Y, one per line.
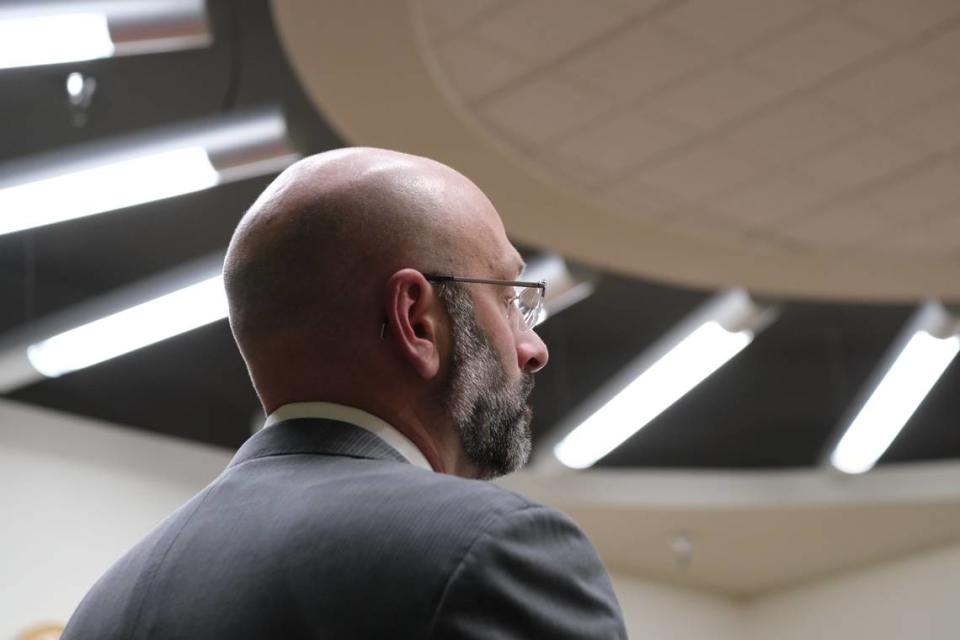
column 412, row 320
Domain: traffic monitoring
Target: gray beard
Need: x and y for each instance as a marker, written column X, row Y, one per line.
column 491, row 416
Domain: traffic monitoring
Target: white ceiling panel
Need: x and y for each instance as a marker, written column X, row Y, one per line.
column 890, row 87
column 719, row 95
column 826, row 124
column 615, row 145
column 733, row 24
column 541, row 111
column 943, row 48
column 635, row 201
column 475, row 69
column 921, row 193
column 541, row 30
column 902, row 19
column 938, row 235
column 864, row 159
column 632, row 64
column 813, row 52
column 797, row 129
column 935, row 127
column 842, row 227
column 770, row 202
column 445, row 19
column 702, row 173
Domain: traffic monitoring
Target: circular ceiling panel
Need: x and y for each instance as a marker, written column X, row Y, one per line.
column 801, row 149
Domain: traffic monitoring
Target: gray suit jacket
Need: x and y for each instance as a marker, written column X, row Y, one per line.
column 318, row 529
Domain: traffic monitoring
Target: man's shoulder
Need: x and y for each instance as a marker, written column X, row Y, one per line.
column 453, row 494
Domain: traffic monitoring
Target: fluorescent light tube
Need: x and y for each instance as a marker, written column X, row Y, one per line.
column 42, row 32
column 49, row 39
column 681, row 369
column 908, row 381
column 106, row 187
column 131, row 329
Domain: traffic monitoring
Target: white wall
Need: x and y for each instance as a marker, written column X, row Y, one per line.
column 916, row 598
column 75, row 495
column 655, row 611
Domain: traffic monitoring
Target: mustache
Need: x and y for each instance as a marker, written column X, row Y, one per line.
column 526, row 385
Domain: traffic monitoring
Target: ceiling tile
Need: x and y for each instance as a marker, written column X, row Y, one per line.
column 571, row 170
column 635, row 201
column 701, row 173
column 862, row 160
column 732, row 24
column 811, row 53
column 943, row 231
column 444, row 18
column 705, row 225
column 905, row 241
column 795, row 130
column 634, row 63
column 944, row 49
column 713, row 98
column 770, row 202
column 839, row 227
column 475, row 69
column 900, row 19
column 921, row 193
column 894, row 85
column 937, row 235
column 542, row 110
column 616, row 144
column 639, row 7
column 542, row 30
column 936, row 126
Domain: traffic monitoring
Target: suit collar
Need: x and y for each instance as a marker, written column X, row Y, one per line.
column 357, row 417
column 315, row 436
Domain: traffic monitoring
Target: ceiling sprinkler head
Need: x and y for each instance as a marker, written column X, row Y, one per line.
column 682, row 548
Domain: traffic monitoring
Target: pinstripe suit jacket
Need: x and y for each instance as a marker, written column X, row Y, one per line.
column 318, row 529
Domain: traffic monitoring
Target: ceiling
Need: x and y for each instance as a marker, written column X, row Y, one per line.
column 772, row 145
column 806, row 126
column 777, row 405
column 749, row 534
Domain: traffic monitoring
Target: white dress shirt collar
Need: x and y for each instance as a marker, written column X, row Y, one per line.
column 356, row 417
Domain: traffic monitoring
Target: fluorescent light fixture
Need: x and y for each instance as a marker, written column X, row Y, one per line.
column 651, row 393
column 49, row 39
column 95, row 179
column 40, row 33
column 916, row 367
column 698, row 346
column 133, row 328
column 113, row 185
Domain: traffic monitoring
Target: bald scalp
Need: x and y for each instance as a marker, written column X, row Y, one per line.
column 309, row 257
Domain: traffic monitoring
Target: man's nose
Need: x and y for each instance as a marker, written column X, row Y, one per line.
column 532, row 353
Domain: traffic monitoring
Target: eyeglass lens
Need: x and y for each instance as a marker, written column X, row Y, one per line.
column 528, row 300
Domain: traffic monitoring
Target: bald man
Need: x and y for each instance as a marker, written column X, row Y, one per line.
column 374, row 298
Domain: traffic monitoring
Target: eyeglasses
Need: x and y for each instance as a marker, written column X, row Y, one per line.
column 526, row 303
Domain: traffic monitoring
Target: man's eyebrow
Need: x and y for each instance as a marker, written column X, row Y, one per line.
column 522, row 268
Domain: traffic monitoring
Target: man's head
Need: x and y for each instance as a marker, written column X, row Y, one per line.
column 332, row 256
